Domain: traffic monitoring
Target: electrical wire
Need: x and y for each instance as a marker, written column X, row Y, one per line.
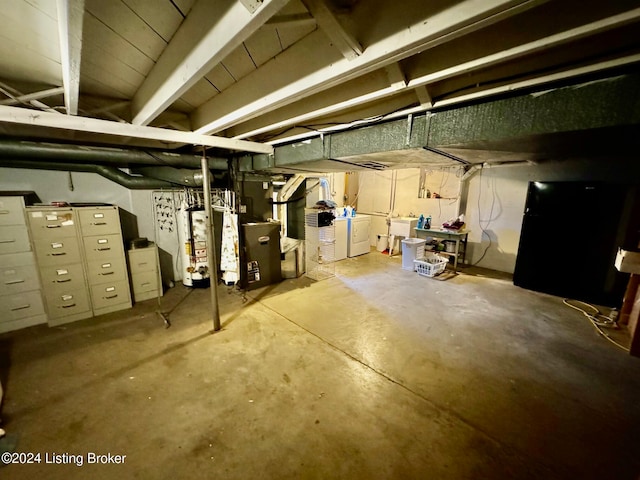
column 595, row 319
column 484, row 229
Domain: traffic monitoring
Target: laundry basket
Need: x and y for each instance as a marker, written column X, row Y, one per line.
column 431, row 265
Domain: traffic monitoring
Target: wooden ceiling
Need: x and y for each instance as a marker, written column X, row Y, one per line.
column 259, row 71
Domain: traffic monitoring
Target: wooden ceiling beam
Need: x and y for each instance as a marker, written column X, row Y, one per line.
column 342, row 39
column 70, row 16
column 210, row 32
column 296, row 74
column 25, row 116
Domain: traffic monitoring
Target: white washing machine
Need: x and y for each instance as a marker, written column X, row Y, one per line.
column 358, row 235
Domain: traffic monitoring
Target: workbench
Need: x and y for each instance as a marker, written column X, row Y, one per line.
column 460, row 238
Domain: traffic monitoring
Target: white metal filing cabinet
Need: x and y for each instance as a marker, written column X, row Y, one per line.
column 144, row 266
column 105, row 260
column 56, row 240
column 20, row 295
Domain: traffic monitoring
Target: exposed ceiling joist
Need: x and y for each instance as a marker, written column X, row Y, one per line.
column 419, row 83
column 396, row 75
column 529, row 48
column 70, row 17
column 210, row 32
column 292, row 20
column 26, row 98
column 266, row 89
column 351, row 94
column 424, row 97
column 542, row 80
column 16, row 96
column 45, row 119
column 342, row 39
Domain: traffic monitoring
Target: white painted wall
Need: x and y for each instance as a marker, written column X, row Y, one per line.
column 494, row 200
column 376, row 196
column 54, row 186
column 497, row 195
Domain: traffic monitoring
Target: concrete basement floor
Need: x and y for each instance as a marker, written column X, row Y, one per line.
column 376, row 373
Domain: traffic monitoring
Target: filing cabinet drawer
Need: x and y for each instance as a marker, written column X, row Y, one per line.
column 63, row 251
column 14, row 239
column 18, row 279
column 52, row 224
column 109, row 294
column 103, row 246
column 62, row 304
column 17, row 259
column 62, row 278
column 99, row 221
column 101, row 271
column 144, row 282
column 142, row 260
column 21, row 305
column 11, row 211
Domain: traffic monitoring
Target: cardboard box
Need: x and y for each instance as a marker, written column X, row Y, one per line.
column 627, row 261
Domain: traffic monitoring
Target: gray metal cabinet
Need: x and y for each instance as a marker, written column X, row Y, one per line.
column 81, row 261
column 20, row 294
column 144, row 265
column 105, row 260
column 57, row 245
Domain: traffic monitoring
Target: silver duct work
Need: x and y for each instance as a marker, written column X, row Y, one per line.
column 104, row 162
column 102, row 155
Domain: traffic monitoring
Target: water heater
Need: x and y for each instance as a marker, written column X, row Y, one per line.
column 192, row 236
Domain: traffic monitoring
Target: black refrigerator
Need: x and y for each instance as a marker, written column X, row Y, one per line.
column 570, row 235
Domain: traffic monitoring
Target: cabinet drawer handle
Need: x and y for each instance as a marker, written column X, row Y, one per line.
column 8, row 241
column 69, row 306
column 104, row 249
column 111, row 296
column 28, row 305
column 5, row 212
column 100, row 223
column 107, row 273
column 13, row 282
column 54, row 226
column 63, row 281
column 145, row 283
column 143, row 263
column 58, row 254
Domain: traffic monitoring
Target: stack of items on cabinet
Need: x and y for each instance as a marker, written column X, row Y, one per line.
column 61, row 263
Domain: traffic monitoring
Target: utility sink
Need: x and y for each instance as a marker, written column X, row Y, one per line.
column 403, row 226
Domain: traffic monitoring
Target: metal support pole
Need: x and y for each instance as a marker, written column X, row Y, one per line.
column 211, row 250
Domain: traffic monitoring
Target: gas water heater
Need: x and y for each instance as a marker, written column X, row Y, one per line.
column 192, row 236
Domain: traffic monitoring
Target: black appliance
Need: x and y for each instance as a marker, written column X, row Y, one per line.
column 570, row 235
column 261, row 254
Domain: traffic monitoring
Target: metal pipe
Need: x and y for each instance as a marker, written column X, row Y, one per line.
column 115, row 156
column 181, row 176
column 111, row 173
column 211, row 250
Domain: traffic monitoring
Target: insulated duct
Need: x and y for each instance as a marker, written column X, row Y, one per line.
column 14, row 149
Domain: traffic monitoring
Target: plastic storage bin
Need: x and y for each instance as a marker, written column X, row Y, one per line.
column 431, row 265
column 412, row 249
